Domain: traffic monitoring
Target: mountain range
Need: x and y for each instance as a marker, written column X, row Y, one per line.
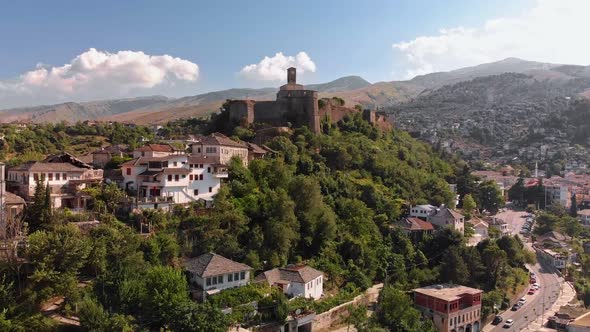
column 353, row 89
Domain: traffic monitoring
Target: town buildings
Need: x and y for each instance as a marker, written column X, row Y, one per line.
column 172, row 179
column 452, row 308
column 213, row 273
column 160, row 175
column 295, row 280
column 63, row 174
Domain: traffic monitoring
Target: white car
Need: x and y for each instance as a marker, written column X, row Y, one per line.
column 508, row 323
column 536, row 285
column 522, row 301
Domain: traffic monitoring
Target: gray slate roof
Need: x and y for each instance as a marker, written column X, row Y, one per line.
column 299, row 274
column 211, row 264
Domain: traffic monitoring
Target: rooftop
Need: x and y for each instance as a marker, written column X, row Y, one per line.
column 158, row 148
column 211, row 264
column 36, row 166
column 416, row 224
column 219, row 139
column 585, row 212
column 447, row 292
column 294, row 273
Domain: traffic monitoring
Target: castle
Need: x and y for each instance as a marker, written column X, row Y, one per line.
column 296, row 106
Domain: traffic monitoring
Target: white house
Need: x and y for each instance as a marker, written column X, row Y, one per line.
column 65, row 175
column 175, row 178
column 213, row 273
column 220, row 147
column 480, row 228
column 296, row 280
column 423, row 211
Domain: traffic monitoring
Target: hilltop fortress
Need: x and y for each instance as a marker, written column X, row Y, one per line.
column 297, row 106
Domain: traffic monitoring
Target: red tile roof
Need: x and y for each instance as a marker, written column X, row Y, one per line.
column 416, row 224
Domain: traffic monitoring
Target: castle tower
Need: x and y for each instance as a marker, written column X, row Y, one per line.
column 292, row 75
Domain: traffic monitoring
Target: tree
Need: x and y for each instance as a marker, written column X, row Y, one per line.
column 453, row 268
column 489, row 197
column 57, row 257
column 468, row 204
column 574, row 206
column 191, row 317
column 396, row 312
column 38, row 214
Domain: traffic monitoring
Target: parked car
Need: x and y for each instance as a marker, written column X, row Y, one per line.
column 522, row 301
column 508, row 323
column 497, row 320
column 531, row 291
column 536, row 285
column 515, row 307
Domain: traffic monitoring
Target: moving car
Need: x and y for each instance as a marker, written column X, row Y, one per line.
column 508, row 323
column 497, row 320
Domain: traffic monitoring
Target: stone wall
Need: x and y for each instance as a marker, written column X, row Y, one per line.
column 336, row 315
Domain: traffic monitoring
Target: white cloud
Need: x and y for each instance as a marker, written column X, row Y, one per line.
column 97, row 74
column 274, row 69
column 552, row 31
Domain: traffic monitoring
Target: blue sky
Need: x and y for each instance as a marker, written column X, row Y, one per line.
column 221, row 37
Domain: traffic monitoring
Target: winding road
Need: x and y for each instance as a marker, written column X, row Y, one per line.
column 537, row 304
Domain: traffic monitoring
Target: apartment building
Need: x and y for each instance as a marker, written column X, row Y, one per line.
column 452, row 308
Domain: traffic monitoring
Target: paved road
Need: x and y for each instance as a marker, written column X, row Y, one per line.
column 542, row 299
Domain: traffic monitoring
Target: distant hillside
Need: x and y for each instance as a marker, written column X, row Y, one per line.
column 353, row 89
column 340, row 85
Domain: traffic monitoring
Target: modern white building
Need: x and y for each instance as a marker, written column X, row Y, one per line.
column 558, row 193
column 296, row 280
column 173, row 179
column 213, row 273
column 423, row 211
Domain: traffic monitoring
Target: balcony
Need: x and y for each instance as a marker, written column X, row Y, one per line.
column 222, row 174
column 156, row 199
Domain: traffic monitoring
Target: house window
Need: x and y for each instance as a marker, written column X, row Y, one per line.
column 210, row 189
column 183, row 176
column 50, row 176
column 64, row 176
column 208, row 281
column 220, row 279
column 143, row 154
column 242, row 275
column 201, row 166
column 208, row 169
column 200, row 176
column 230, row 277
column 196, row 192
column 198, row 150
column 176, row 177
column 236, row 276
column 190, row 177
column 57, row 176
column 214, row 280
column 42, row 177
column 128, row 170
column 35, row 176
column 175, row 164
column 169, row 177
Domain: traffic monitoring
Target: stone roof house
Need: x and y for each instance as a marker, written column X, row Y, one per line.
column 447, row 218
column 295, row 280
column 213, row 273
